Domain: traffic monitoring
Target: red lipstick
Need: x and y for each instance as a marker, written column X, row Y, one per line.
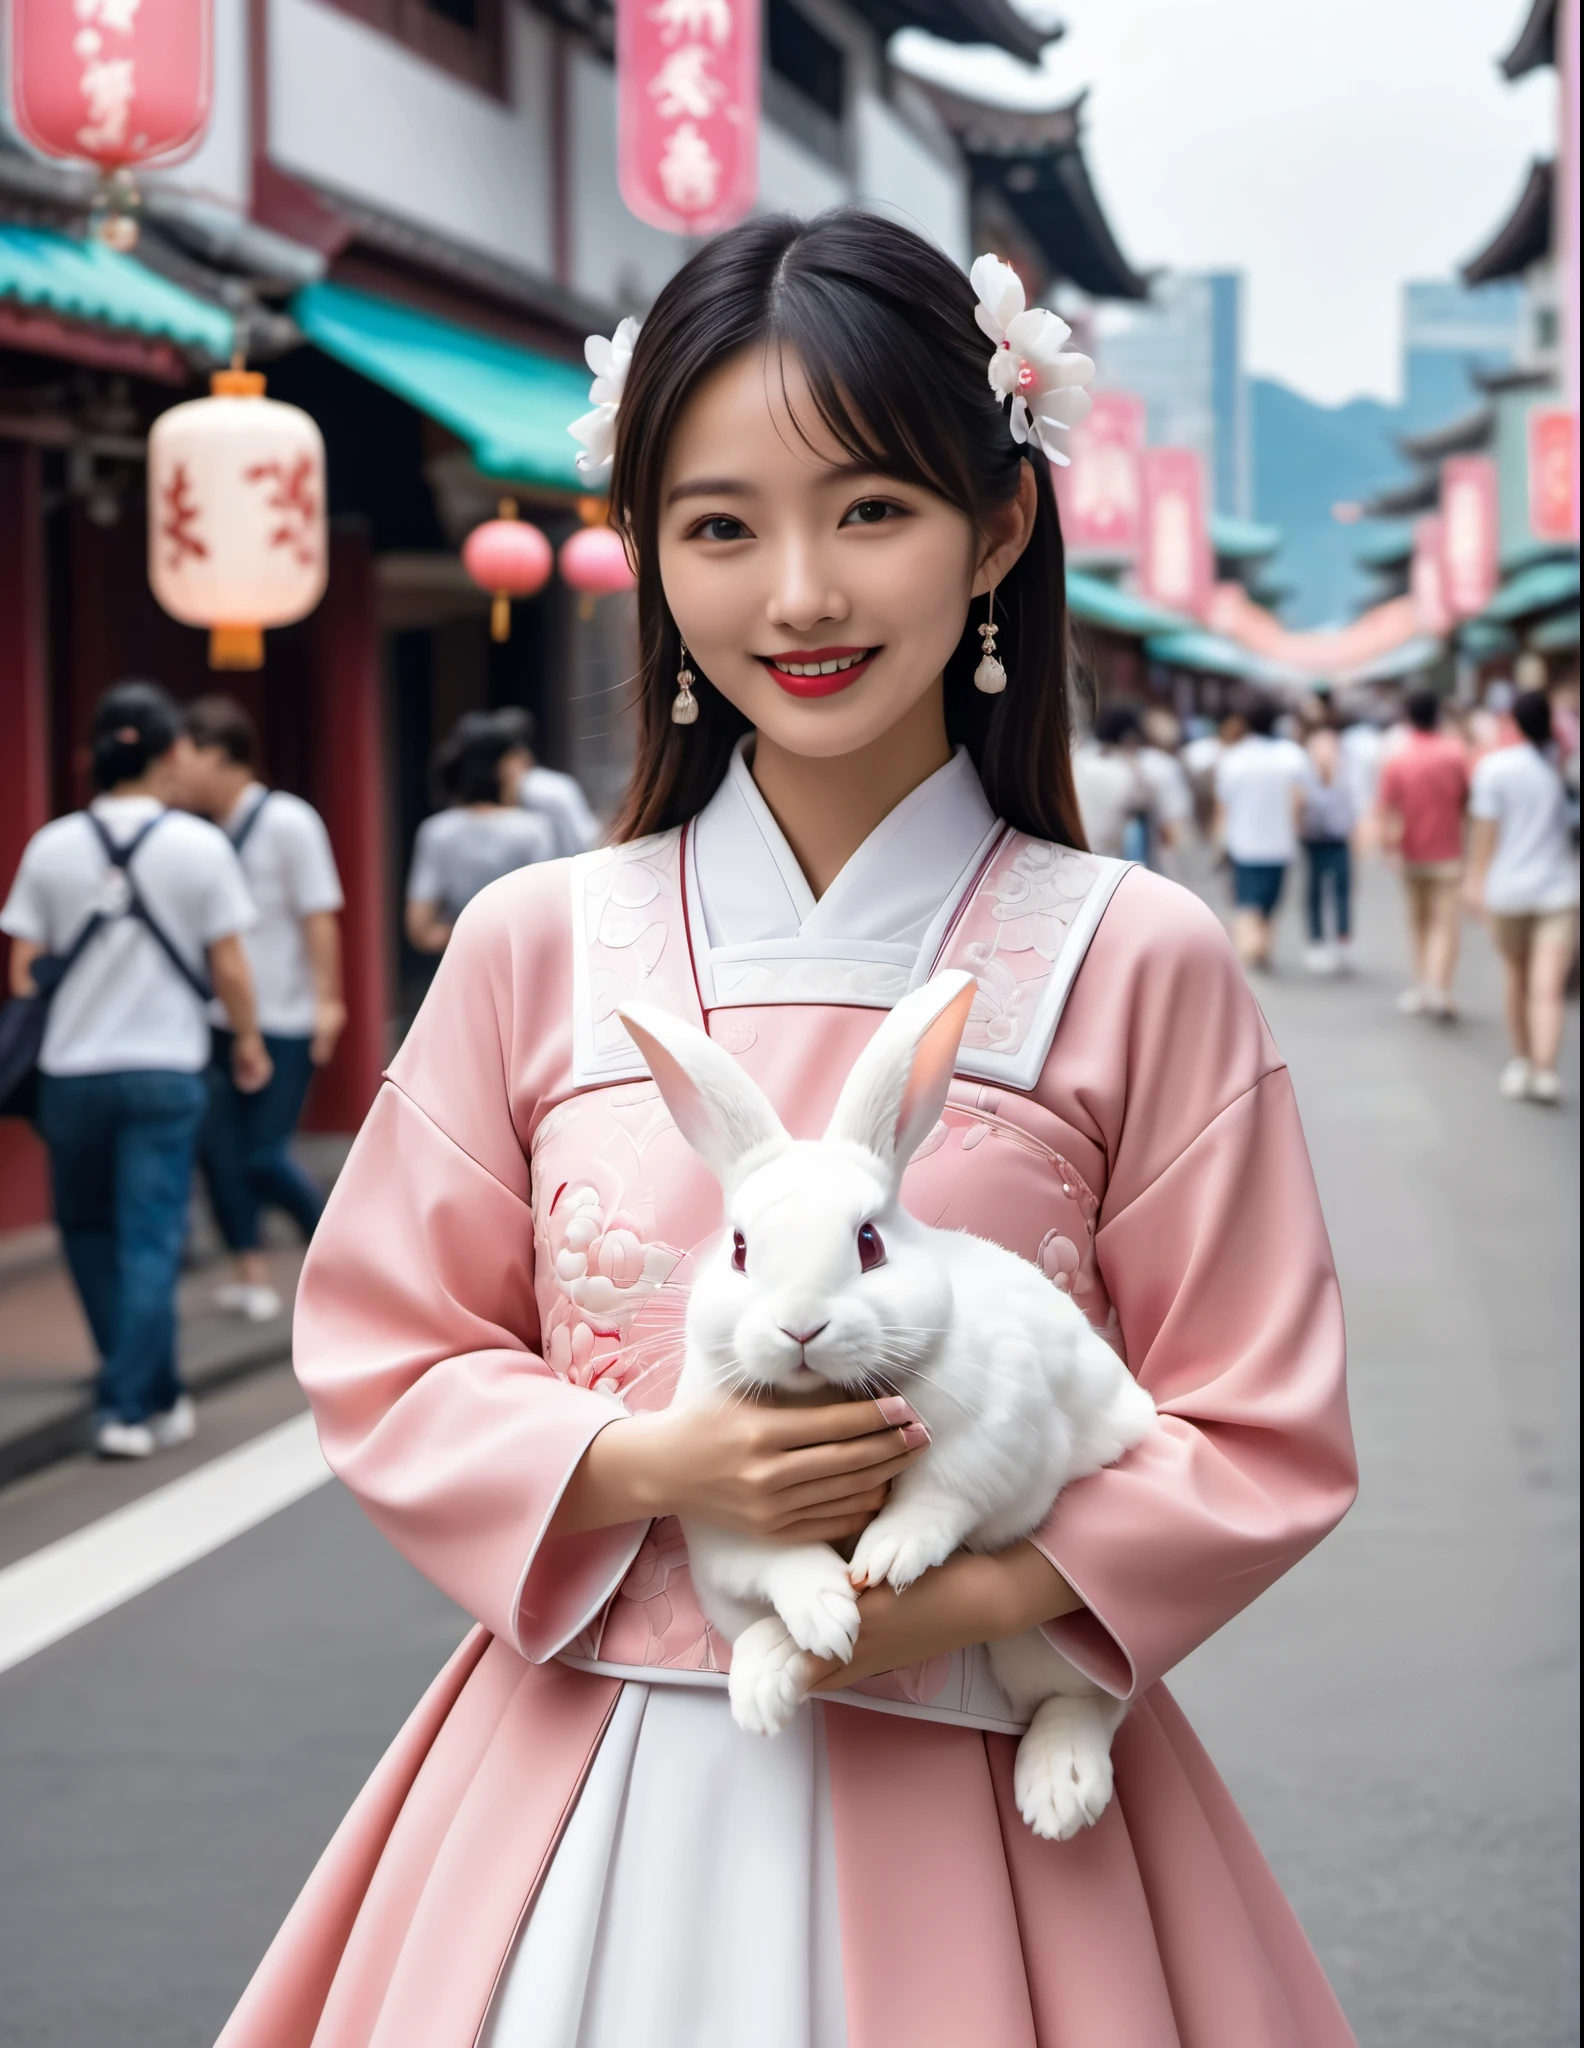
column 857, row 658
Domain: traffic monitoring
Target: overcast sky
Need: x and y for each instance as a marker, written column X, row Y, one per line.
column 1327, row 148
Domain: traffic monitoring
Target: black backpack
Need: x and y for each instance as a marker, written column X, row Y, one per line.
column 23, row 1018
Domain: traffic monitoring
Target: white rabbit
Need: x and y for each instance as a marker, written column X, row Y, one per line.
column 823, row 1283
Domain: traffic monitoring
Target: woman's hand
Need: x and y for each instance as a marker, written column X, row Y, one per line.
column 966, row 1600
column 795, row 1475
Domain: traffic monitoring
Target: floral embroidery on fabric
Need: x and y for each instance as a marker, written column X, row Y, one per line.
column 655, row 1618
column 633, row 931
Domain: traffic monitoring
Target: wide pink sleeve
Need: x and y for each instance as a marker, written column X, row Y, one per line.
column 416, row 1334
column 1214, row 1254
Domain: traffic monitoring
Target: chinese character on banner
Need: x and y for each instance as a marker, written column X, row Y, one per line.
column 1468, row 533
column 1175, row 568
column 1427, row 575
column 687, row 75
column 117, row 81
column 1553, row 473
column 1101, row 491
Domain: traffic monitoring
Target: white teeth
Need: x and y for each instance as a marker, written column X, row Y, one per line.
column 821, row 668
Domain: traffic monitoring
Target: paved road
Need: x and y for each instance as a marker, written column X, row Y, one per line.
column 1396, row 1717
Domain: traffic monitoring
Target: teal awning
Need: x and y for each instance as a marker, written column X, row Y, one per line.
column 1412, row 658
column 1242, row 540
column 1482, row 642
column 1208, row 654
column 510, row 405
column 52, row 273
column 1556, row 636
column 1095, row 602
column 1386, row 548
column 1544, row 588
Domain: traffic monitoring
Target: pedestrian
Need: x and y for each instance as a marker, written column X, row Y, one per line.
column 572, row 1839
column 1424, row 792
column 1260, row 786
column 1114, row 795
column 126, row 1045
column 1201, row 756
column 294, row 952
column 484, row 834
column 1523, row 874
column 1172, row 802
column 1326, row 829
column 553, row 796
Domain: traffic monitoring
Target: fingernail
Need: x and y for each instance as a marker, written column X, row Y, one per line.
column 896, row 1411
column 914, row 1436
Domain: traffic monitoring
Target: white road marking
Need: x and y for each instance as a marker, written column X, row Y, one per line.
column 70, row 1583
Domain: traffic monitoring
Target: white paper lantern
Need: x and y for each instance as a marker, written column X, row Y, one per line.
column 236, row 515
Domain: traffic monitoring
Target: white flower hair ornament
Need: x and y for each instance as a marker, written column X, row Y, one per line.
column 1044, row 381
column 610, row 361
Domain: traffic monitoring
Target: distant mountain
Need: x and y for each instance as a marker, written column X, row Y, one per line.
column 1307, row 458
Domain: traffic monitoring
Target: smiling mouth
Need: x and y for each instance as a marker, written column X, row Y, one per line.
column 817, row 671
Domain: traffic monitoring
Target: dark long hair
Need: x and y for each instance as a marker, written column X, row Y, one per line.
column 883, row 326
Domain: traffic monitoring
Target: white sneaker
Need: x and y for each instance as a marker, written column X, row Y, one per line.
column 254, row 1304
column 1412, row 1002
column 124, row 1440
column 1319, row 959
column 1544, row 1086
column 178, row 1425
column 1514, row 1079
column 1342, row 957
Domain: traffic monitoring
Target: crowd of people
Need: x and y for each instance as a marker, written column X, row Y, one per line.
column 1476, row 806
column 181, row 939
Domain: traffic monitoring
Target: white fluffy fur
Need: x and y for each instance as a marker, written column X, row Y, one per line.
column 1019, row 1394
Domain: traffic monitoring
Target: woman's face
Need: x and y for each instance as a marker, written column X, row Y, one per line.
column 821, row 598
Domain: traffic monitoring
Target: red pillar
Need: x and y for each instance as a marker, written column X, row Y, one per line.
column 24, row 763
column 346, row 712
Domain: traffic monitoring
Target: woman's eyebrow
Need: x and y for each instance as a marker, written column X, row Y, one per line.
column 710, row 487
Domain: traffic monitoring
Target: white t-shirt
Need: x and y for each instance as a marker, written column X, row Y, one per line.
column 1534, row 866
column 560, row 801
column 1111, row 788
column 1168, row 785
column 124, row 1007
column 291, row 873
column 1255, row 781
column 459, row 852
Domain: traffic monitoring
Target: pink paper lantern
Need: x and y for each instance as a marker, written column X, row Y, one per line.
column 508, row 557
column 594, row 562
column 236, row 515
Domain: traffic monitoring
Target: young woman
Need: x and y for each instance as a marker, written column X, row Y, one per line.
column 1523, row 875
column 1326, row 829
column 484, row 834
column 571, row 1842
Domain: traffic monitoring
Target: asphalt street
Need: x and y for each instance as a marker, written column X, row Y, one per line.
column 1397, row 1717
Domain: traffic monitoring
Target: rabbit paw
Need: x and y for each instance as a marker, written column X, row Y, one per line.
column 769, row 1677
column 1062, row 1778
column 817, row 1603
column 898, row 1550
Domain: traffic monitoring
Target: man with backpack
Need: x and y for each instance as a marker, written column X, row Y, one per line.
column 126, row 919
column 294, row 951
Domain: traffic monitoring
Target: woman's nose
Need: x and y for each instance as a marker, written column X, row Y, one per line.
column 803, row 599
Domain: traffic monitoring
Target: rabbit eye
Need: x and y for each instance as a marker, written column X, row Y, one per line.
column 739, row 1252
column 871, row 1248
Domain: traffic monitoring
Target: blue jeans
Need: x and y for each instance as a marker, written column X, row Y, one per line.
column 1330, row 868
column 121, row 1152
column 245, row 1137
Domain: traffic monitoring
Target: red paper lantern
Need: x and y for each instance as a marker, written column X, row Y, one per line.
column 595, row 563
column 119, row 82
column 509, row 558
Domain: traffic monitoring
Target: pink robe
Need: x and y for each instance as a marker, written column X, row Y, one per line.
column 503, row 1264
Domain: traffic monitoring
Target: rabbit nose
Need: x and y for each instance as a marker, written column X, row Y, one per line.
column 803, row 1336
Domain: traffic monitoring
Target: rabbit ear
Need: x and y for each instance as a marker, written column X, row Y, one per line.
column 715, row 1106
column 898, row 1084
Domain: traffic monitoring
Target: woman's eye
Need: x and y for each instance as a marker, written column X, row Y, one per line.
column 872, row 512
column 721, row 527
column 871, row 1248
column 739, row 1252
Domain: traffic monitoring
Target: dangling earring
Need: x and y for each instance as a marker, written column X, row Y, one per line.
column 990, row 676
column 684, row 705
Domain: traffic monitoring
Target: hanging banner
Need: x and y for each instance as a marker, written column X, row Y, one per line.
column 1427, row 576
column 1468, row 533
column 1175, row 567
column 1101, row 491
column 1553, row 473
column 116, row 81
column 687, row 85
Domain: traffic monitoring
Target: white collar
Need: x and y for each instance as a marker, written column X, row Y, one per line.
column 874, row 932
